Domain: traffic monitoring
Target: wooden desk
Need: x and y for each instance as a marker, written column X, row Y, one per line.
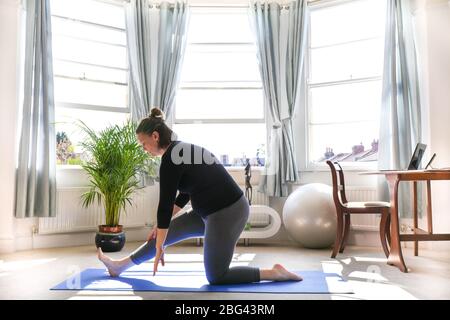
column 394, row 177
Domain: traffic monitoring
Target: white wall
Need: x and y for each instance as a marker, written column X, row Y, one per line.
column 9, row 28
column 433, row 30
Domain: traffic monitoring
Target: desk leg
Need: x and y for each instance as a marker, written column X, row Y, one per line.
column 395, row 255
column 429, row 206
column 416, row 218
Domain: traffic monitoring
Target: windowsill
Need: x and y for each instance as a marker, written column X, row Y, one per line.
column 63, row 167
column 349, row 167
column 68, row 167
column 311, row 168
column 241, row 168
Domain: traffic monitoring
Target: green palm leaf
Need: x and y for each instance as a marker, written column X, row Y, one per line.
column 115, row 162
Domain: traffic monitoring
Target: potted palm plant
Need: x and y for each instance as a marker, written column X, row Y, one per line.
column 114, row 165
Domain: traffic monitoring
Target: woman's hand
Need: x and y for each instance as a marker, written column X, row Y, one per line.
column 152, row 234
column 159, row 256
column 160, row 238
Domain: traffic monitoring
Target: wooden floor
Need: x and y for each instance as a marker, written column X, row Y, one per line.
column 30, row 274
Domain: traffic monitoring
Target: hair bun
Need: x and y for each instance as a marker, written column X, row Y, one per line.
column 156, row 113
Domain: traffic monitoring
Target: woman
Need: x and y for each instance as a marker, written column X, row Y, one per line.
column 220, row 209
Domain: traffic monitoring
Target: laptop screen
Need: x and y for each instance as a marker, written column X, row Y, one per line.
column 417, row 156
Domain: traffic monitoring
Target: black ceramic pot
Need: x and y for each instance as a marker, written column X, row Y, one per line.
column 108, row 240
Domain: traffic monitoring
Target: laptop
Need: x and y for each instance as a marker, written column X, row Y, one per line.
column 417, row 156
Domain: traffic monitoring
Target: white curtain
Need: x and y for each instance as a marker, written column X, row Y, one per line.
column 36, row 167
column 156, row 41
column 400, row 125
column 280, row 36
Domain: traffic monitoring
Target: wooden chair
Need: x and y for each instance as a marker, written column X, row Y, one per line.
column 345, row 209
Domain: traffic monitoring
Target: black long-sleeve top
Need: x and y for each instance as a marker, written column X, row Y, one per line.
column 198, row 176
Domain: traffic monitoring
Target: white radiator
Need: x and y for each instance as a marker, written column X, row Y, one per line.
column 258, row 219
column 72, row 217
column 363, row 221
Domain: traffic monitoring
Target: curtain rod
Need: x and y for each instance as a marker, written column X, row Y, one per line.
column 212, row 5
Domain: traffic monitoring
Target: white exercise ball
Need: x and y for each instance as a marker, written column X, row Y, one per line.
column 309, row 216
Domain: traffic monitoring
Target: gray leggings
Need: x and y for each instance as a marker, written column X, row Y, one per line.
column 221, row 231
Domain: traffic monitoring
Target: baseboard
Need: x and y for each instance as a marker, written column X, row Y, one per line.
column 43, row 241
column 73, row 239
column 438, row 246
column 24, row 243
column 7, row 246
column 269, row 241
column 364, row 238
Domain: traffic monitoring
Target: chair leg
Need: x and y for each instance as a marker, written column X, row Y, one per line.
column 347, row 222
column 385, row 232
column 388, row 228
column 339, row 234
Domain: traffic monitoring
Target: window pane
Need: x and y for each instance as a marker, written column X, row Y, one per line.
column 237, row 141
column 88, row 92
column 63, row 68
column 341, row 138
column 89, row 52
column 346, row 103
column 350, row 21
column 66, row 119
column 221, row 81
column 80, row 49
column 228, row 25
column 219, row 104
column 90, row 10
column 64, row 27
column 220, row 63
column 347, row 42
column 348, row 61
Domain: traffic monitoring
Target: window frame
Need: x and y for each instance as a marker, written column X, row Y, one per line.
column 220, row 85
column 62, row 168
column 305, row 161
column 73, row 105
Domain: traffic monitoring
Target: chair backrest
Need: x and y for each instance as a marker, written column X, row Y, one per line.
column 338, row 183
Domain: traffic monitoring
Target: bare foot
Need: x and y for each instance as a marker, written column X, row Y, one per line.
column 112, row 265
column 281, row 274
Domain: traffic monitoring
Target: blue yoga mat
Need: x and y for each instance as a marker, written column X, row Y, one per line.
column 140, row 278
